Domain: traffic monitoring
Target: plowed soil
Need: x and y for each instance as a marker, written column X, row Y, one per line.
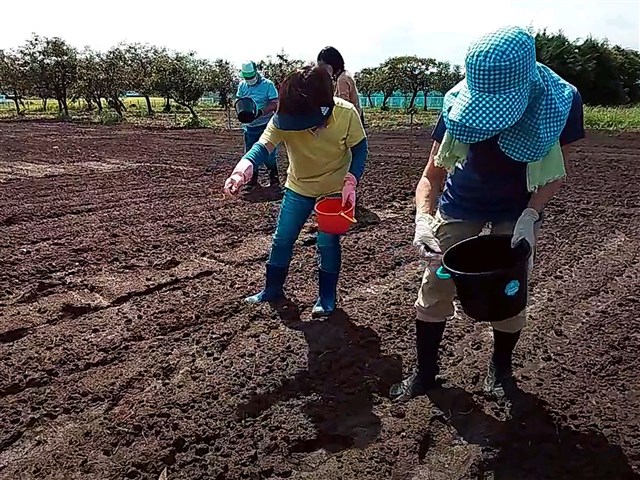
column 125, row 347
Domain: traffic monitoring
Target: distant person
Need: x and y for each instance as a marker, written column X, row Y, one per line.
column 345, row 88
column 263, row 92
column 344, row 84
column 497, row 159
column 327, row 150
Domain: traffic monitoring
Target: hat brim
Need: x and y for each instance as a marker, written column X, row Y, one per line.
column 297, row 123
column 488, row 112
column 248, row 76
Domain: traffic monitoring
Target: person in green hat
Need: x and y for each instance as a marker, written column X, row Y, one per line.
column 263, row 92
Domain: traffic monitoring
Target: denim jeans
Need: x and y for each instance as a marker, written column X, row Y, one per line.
column 251, row 136
column 294, row 212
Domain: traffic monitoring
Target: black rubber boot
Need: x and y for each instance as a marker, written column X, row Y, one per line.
column 274, row 179
column 500, row 372
column 253, row 183
column 423, row 379
column 273, row 290
column 327, row 286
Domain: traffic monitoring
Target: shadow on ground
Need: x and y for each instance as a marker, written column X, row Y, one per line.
column 345, row 369
column 530, row 445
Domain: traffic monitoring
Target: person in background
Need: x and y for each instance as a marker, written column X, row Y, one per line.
column 327, row 149
column 263, row 92
column 345, row 88
column 497, row 159
column 345, row 85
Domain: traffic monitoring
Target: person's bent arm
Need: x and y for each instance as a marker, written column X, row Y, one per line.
column 544, row 194
column 541, row 197
column 430, row 184
column 359, row 153
column 270, row 107
column 259, row 153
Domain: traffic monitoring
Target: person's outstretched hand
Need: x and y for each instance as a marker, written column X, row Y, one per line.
column 240, row 176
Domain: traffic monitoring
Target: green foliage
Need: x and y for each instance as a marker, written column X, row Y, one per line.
column 223, row 79
column 192, row 122
column 279, row 68
column 107, row 118
column 13, row 76
column 612, row 118
column 51, row 67
column 408, row 75
column 604, row 74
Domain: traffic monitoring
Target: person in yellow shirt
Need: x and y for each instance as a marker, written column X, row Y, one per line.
column 327, row 149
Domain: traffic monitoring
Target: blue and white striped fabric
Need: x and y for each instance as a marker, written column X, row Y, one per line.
column 507, row 93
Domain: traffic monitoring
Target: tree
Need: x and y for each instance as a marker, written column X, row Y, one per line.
column 412, row 73
column 141, row 63
column 113, row 79
column 90, row 84
column 13, row 77
column 224, row 82
column 278, row 69
column 52, row 67
column 188, row 82
column 162, row 80
column 387, row 82
column 367, row 83
column 445, row 77
column 628, row 61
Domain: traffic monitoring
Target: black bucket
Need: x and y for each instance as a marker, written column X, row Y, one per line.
column 491, row 277
column 246, row 109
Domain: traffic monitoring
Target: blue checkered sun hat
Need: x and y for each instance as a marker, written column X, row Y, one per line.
column 507, row 93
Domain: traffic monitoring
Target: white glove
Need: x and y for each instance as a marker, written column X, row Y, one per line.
column 240, row 176
column 525, row 228
column 424, row 239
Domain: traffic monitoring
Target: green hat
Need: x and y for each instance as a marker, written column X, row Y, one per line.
column 248, row 70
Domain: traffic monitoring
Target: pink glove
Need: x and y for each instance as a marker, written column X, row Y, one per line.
column 241, row 175
column 349, row 190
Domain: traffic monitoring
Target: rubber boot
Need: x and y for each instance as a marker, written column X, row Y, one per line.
column 326, row 304
column 423, row 379
column 500, row 372
column 273, row 290
column 253, row 183
column 274, row 179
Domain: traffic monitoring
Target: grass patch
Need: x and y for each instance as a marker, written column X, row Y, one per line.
column 612, row 118
column 212, row 116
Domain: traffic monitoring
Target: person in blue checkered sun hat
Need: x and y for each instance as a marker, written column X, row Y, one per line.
column 497, row 158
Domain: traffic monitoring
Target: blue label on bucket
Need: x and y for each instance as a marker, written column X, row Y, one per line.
column 512, row 288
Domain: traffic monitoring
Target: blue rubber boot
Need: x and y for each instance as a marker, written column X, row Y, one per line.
column 273, row 290
column 326, row 304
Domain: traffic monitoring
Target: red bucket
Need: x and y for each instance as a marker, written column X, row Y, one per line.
column 333, row 217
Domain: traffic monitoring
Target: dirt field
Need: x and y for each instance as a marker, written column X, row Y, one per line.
column 125, row 347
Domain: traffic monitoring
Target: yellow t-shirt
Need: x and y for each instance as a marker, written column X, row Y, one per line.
column 319, row 159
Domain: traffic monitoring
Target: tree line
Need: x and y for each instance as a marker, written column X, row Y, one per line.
column 604, row 74
column 50, row 68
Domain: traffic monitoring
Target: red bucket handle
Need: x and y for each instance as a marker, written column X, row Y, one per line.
column 341, row 213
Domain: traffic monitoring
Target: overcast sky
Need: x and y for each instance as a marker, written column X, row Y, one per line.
column 365, row 33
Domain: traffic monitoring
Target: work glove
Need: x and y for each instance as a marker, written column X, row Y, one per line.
column 424, row 239
column 240, row 176
column 525, row 230
column 349, row 190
